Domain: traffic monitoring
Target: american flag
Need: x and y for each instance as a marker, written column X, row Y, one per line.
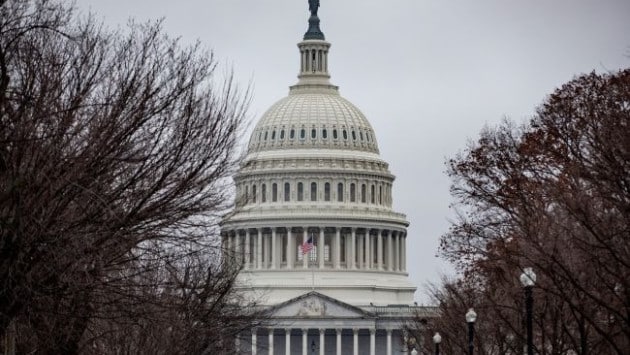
column 307, row 245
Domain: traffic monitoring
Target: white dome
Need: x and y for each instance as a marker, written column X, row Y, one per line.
column 313, row 117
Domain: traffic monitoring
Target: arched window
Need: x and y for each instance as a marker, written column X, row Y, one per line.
column 324, row 133
column 263, row 198
column 274, row 192
column 373, row 194
column 361, row 135
column 313, row 191
column 292, row 134
column 302, row 133
column 345, row 134
column 354, row 135
column 313, row 133
column 287, row 192
column 266, row 134
column 335, row 134
column 273, row 135
column 353, row 193
column 246, row 194
column 363, row 193
column 254, row 193
column 340, row 192
column 282, row 134
column 300, row 191
column 327, row 191
column 367, row 135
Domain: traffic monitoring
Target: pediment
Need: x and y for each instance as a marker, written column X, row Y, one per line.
column 316, row 305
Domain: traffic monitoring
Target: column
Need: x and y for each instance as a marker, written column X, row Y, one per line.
column 366, row 248
column 274, row 249
column 403, row 253
column 320, row 248
column 390, row 252
column 271, row 341
column 290, row 249
column 389, row 342
column 287, row 341
column 396, row 251
column 379, row 240
column 322, row 333
column 353, row 249
column 372, row 342
column 338, row 341
column 247, row 251
column 304, row 341
column 304, row 239
column 337, row 248
column 254, row 341
column 355, row 341
column 370, row 249
column 361, row 250
column 259, row 250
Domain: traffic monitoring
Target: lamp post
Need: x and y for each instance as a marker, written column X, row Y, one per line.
column 437, row 339
column 528, row 279
column 471, row 317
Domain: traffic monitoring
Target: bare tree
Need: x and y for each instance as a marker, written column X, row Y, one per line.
column 115, row 153
column 554, row 195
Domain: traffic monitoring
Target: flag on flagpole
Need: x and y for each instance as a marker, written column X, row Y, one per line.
column 307, row 246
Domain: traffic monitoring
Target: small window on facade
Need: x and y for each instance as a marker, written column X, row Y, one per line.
column 303, row 133
column 273, row 135
column 254, row 194
column 292, row 134
column 367, row 135
column 313, row 191
column 246, row 194
column 263, row 198
column 282, row 134
column 324, row 133
column 274, row 192
column 335, row 134
column 353, row 193
column 300, row 191
column 327, row 191
column 266, row 133
column 259, row 136
column 354, row 135
column 361, row 135
column 373, row 194
column 345, row 134
column 313, row 133
column 287, row 192
column 363, row 193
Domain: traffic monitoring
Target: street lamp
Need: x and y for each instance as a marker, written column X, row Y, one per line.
column 471, row 317
column 528, row 279
column 437, row 339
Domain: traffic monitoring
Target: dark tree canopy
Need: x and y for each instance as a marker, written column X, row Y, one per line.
column 553, row 194
column 115, row 154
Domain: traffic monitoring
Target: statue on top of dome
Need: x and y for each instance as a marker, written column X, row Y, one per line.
column 313, row 5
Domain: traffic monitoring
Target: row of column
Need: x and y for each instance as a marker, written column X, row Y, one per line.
column 321, row 347
column 258, row 252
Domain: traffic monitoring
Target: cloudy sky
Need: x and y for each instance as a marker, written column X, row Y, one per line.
column 428, row 74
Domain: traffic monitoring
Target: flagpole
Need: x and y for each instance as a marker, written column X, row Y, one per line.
column 309, row 265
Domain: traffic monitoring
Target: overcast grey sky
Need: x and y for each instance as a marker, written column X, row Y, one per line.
column 428, row 74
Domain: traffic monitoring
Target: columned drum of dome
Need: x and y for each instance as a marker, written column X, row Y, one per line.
column 313, row 173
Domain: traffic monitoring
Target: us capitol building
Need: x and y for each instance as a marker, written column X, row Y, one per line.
column 321, row 246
